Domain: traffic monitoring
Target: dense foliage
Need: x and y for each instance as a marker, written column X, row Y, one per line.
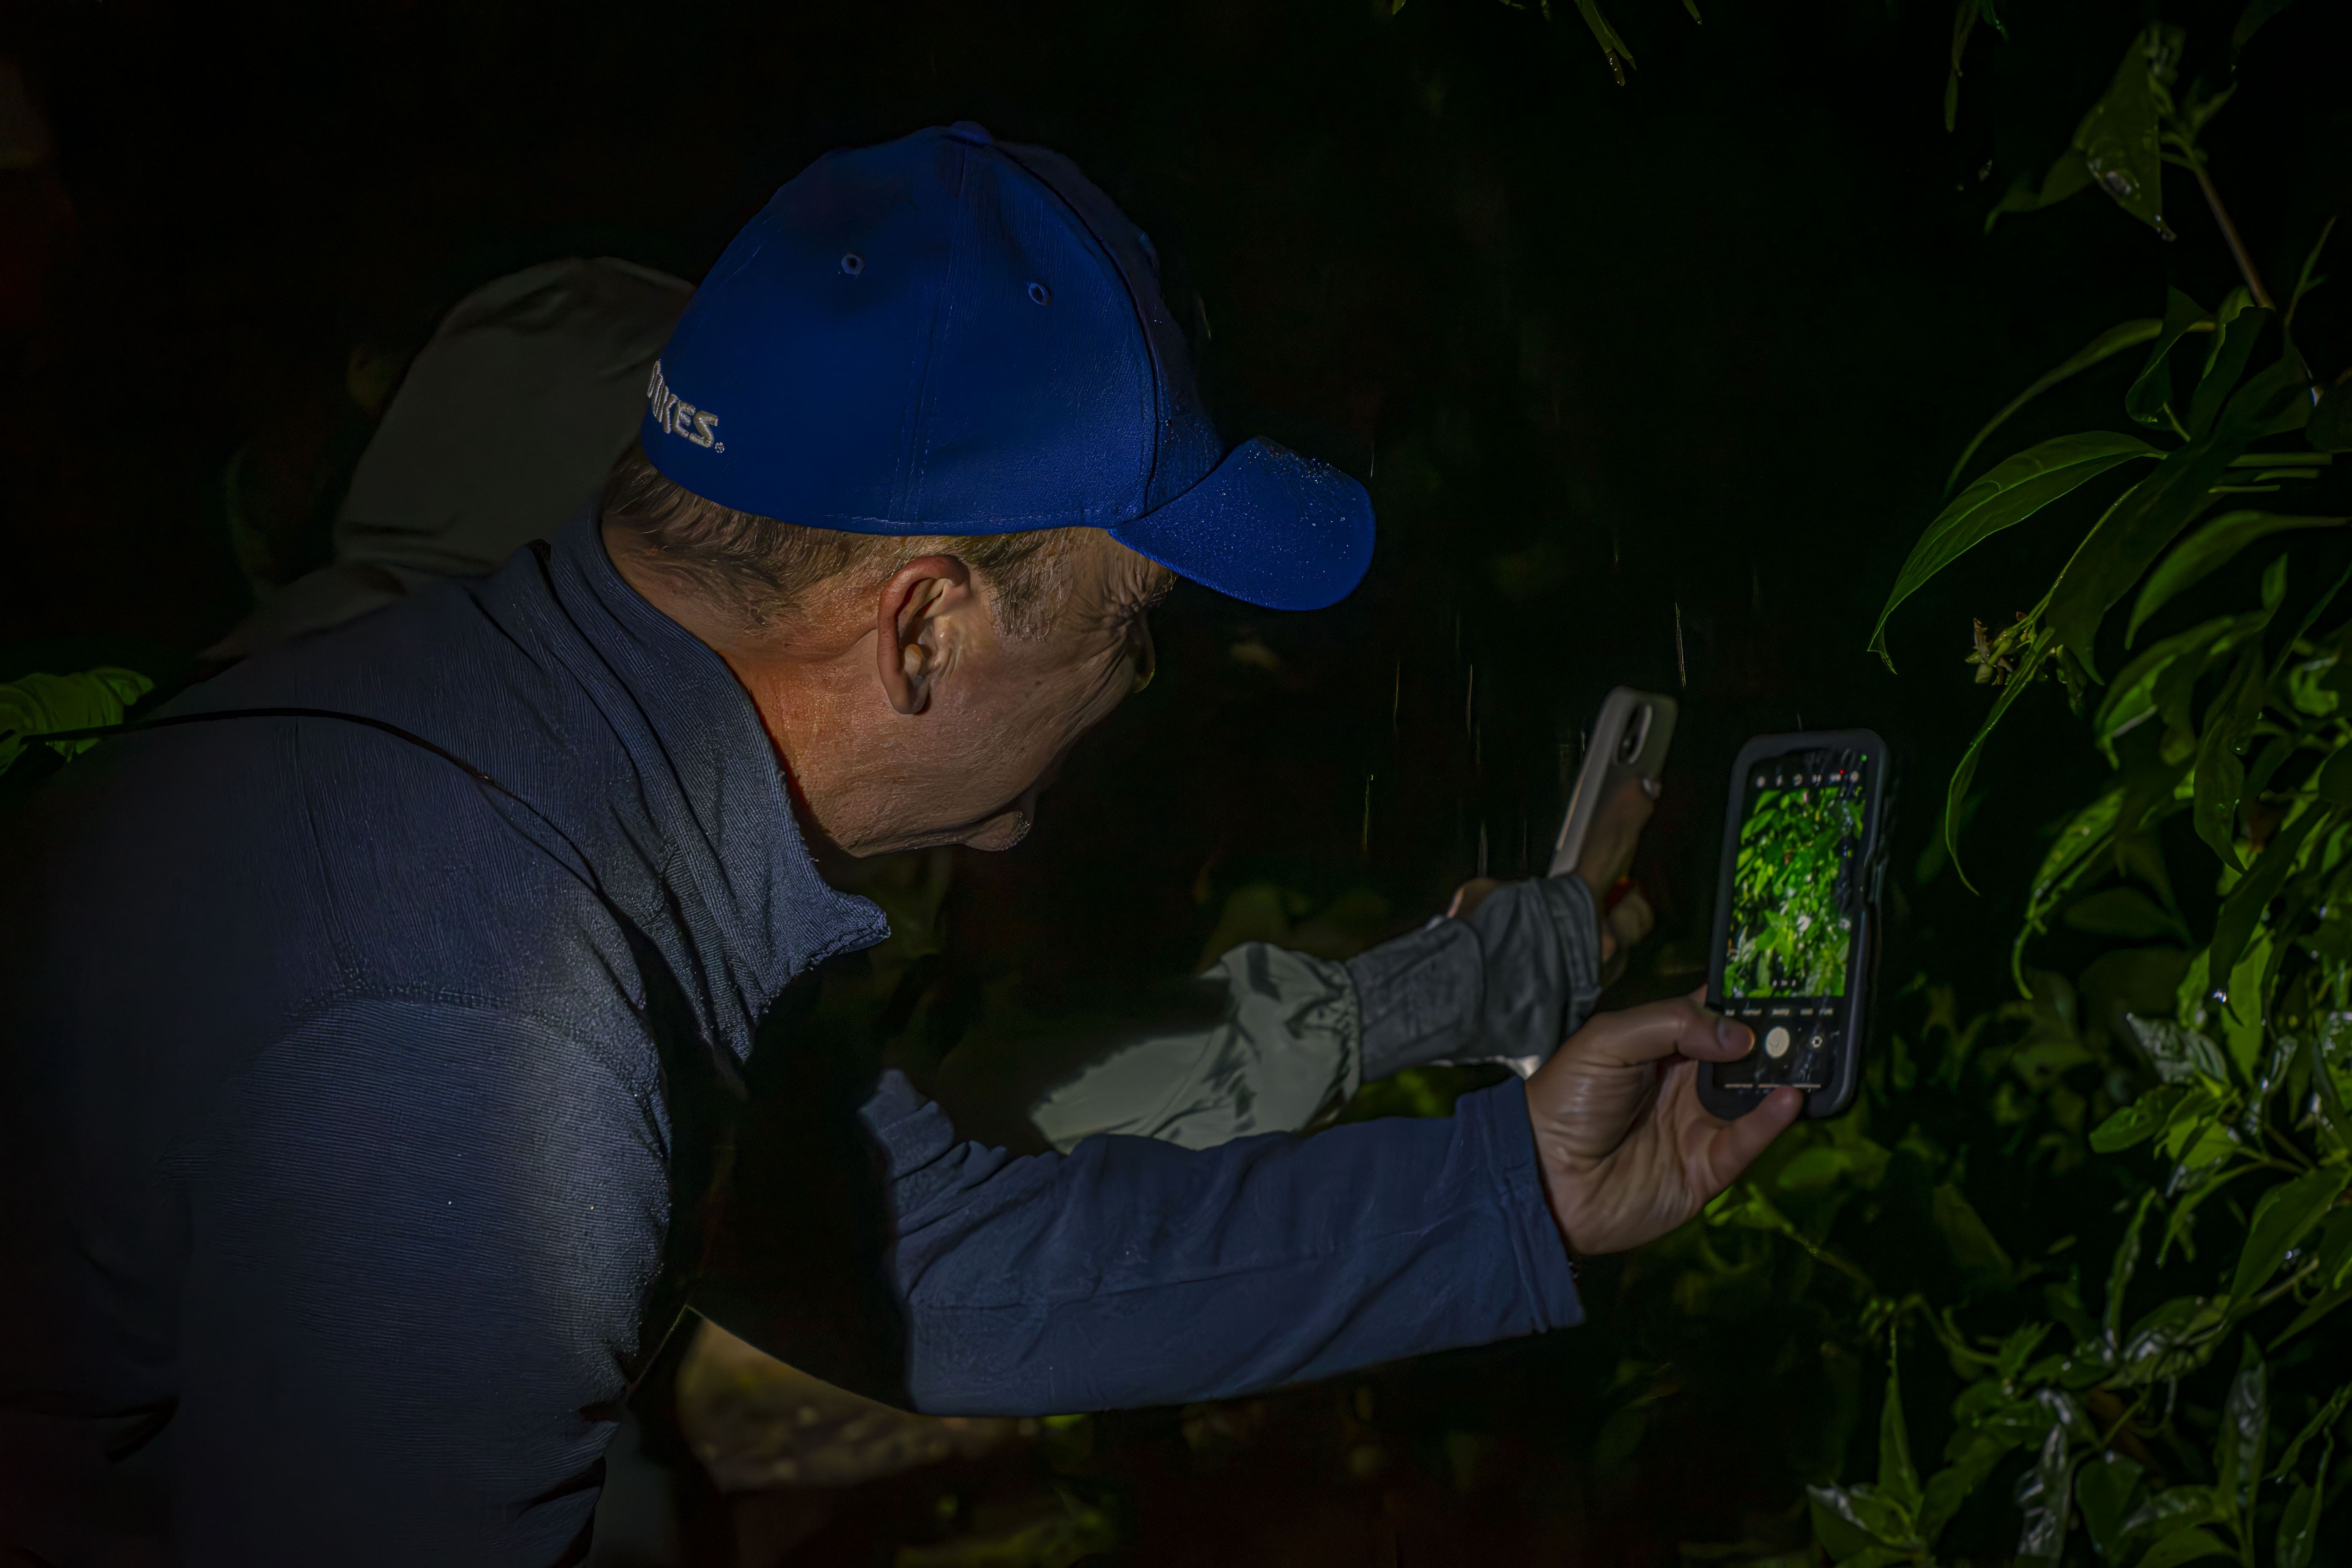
column 1791, row 892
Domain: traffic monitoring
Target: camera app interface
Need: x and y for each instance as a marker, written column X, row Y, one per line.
column 1796, row 910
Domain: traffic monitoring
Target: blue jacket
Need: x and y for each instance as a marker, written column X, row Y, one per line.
column 339, row 1171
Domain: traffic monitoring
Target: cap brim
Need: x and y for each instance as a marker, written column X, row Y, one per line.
column 1267, row 526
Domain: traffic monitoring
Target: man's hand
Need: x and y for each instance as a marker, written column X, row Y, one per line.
column 1627, row 1151
column 1608, row 855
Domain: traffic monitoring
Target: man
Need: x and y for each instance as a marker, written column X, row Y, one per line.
column 365, row 1025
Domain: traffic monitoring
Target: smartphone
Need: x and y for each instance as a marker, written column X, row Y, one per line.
column 1796, row 916
column 1629, row 741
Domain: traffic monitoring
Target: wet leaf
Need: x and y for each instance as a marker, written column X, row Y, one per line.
column 2133, row 697
column 2119, row 1273
column 2220, row 777
column 2103, row 1490
column 2287, row 1214
column 1898, row 1479
column 2171, row 1340
column 2237, row 324
column 1956, row 791
column 1855, row 1524
column 2118, row 139
column 2137, row 1121
column 2336, row 1250
column 2177, row 1052
column 2045, row 1496
column 2324, row 1417
column 2133, row 532
column 2298, row 1528
column 2245, row 1425
column 2185, row 1546
column 2327, row 1303
column 2170, row 1511
column 2066, row 177
column 2011, row 491
column 1612, row 46
column 2207, row 550
column 2105, row 346
column 2152, row 388
column 2243, row 908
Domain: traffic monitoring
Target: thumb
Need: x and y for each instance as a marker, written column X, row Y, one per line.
column 1733, row 1146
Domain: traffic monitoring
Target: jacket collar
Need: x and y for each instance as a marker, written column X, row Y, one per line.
column 734, row 872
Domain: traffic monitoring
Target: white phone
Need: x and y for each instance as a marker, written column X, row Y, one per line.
column 1629, row 741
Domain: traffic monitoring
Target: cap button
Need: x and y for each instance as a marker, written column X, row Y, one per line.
column 971, row 131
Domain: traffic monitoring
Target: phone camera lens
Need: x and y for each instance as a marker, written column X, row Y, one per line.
column 1637, row 731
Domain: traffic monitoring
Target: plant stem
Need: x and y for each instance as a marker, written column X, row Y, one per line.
column 2229, row 233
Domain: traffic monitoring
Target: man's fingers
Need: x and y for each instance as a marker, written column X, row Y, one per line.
column 1469, row 896
column 1631, row 920
column 1734, row 1145
column 1657, row 1030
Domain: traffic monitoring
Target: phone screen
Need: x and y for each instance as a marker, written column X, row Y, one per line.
column 1796, row 887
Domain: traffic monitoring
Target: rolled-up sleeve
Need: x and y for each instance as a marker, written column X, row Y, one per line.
column 1132, row 1272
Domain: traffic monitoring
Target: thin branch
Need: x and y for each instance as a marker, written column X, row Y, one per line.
column 2229, row 233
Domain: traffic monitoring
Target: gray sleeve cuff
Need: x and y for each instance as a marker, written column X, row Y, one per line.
column 1507, row 983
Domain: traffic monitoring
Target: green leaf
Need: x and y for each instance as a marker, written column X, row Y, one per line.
column 2119, row 1273
column 2067, row 176
column 2133, row 533
column 2330, row 427
column 1983, row 1265
column 1612, row 46
column 2170, row 1511
column 2170, row 1342
column 2105, row 346
column 2326, row 1303
column 2326, row 1416
column 1898, row 1479
column 2298, row 1528
column 2284, row 1216
column 2237, row 325
column 2220, row 777
column 2336, row 1250
column 39, row 704
column 2132, row 699
column 2310, row 277
column 2205, row 551
column 2333, row 782
column 1956, row 791
column 2045, row 1496
column 2178, row 1053
column 2245, row 1426
column 2184, row 1546
column 2118, row 139
column 2239, row 912
column 2256, row 14
column 2152, row 389
column 2103, row 1490
column 2137, row 1122
column 2013, row 490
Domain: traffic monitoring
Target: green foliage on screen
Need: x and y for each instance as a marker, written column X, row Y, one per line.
column 1790, row 935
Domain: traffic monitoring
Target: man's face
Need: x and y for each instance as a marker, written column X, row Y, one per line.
column 1002, row 712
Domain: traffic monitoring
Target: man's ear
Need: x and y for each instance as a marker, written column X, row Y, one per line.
column 922, row 610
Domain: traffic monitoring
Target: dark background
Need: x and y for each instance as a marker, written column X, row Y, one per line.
column 1653, row 385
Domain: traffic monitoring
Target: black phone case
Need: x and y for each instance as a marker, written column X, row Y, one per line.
column 1845, row 1025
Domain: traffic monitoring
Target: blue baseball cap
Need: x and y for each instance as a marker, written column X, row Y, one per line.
column 951, row 335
